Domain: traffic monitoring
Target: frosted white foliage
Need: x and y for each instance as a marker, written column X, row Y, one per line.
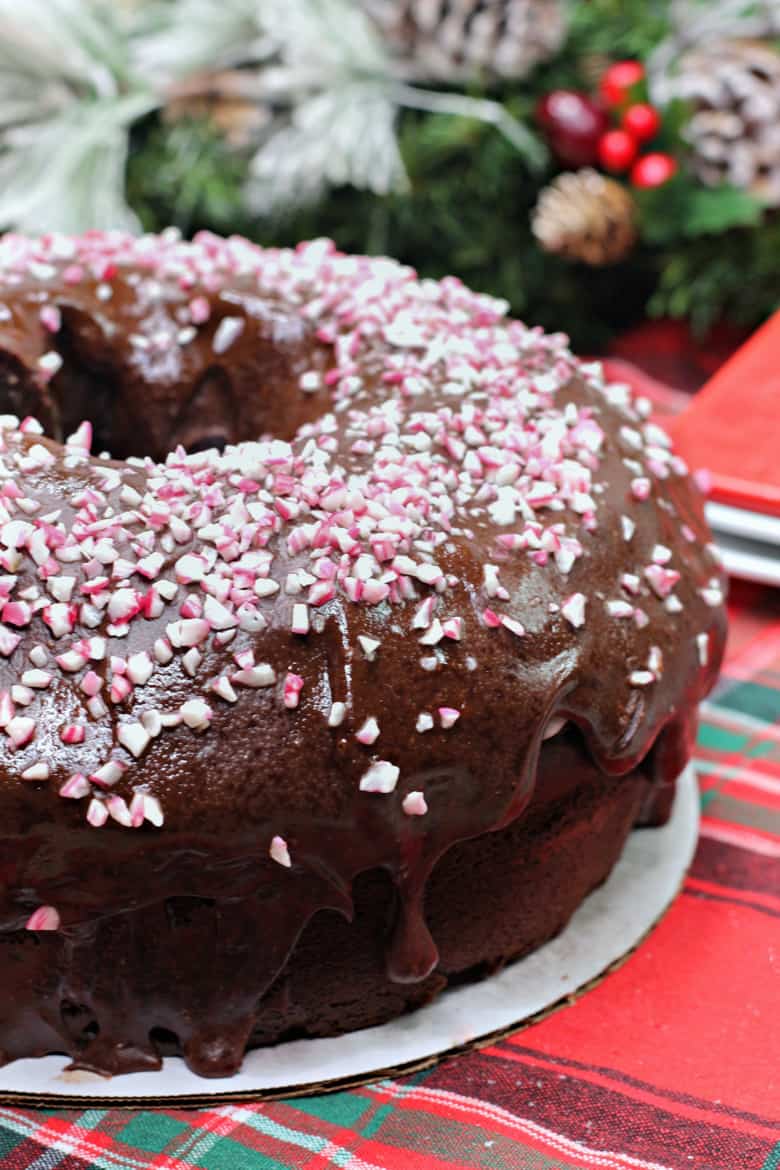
column 76, row 74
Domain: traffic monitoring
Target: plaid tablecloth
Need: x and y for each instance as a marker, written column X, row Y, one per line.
column 671, row 1063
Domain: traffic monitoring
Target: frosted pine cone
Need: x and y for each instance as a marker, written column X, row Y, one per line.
column 734, row 132
column 448, row 40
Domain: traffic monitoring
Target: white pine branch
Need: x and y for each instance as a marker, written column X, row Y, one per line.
column 174, row 40
column 66, row 103
column 75, row 74
column 345, row 135
column 75, row 41
column 67, row 173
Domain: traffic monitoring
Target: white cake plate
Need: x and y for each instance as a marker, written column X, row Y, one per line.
column 748, row 542
column 605, row 928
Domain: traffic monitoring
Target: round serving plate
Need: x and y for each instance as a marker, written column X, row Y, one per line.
column 606, row 928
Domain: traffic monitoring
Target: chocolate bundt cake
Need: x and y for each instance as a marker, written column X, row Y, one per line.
column 344, row 668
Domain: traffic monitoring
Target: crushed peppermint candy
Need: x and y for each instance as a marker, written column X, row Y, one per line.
column 227, row 332
column 262, row 675
column 119, row 811
column 382, row 777
column 39, row 771
column 337, row 714
column 712, row 594
column 619, row 609
column 433, row 635
column 76, row 787
column 279, row 852
column 224, row 688
column 655, row 661
column 300, row 619
column 152, row 811
column 369, row 646
column 573, row 609
column 97, row 813
column 72, row 733
column 703, row 648
column 293, row 685
column 50, row 364
column 108, row 774
column 414, row 804
column 310, row 382
column 631, row 583
column 369, row 732
column 662, row 581
column 20, row 730
column 134, row 737
column 140, row 668
column 44, row 918
column 51, row 318
column 196, row 713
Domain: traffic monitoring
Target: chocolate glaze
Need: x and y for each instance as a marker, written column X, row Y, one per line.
column 261, row 769
column 118, row 992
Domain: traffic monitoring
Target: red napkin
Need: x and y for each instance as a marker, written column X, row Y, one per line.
column 732, row 426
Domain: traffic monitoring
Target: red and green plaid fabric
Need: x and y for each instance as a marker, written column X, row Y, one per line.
column 671, row 1063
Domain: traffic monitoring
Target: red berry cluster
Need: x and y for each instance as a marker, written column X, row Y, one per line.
column 578, row 127
column 639, row 123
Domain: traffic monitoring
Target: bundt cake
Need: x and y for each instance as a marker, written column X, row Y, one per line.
column 343, row 668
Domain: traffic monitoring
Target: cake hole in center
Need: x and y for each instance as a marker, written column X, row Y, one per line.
column 132, row 414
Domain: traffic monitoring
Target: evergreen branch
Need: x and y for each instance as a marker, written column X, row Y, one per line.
column 482, row 110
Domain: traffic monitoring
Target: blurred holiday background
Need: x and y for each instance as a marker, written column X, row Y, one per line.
column 610, row 167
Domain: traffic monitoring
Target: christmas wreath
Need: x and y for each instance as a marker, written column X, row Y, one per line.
column 590, row 162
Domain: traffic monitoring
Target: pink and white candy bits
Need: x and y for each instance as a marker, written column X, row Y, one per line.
column 441, row 418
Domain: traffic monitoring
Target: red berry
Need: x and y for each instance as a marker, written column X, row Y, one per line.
column 573, row 124
column 642, row 121
column 617, row 150
column 653, row 170
column 618, row 81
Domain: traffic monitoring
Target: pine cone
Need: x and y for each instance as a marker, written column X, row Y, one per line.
column 227, row 99
column 585, row 216
column 451, row 40
column 734, row 133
